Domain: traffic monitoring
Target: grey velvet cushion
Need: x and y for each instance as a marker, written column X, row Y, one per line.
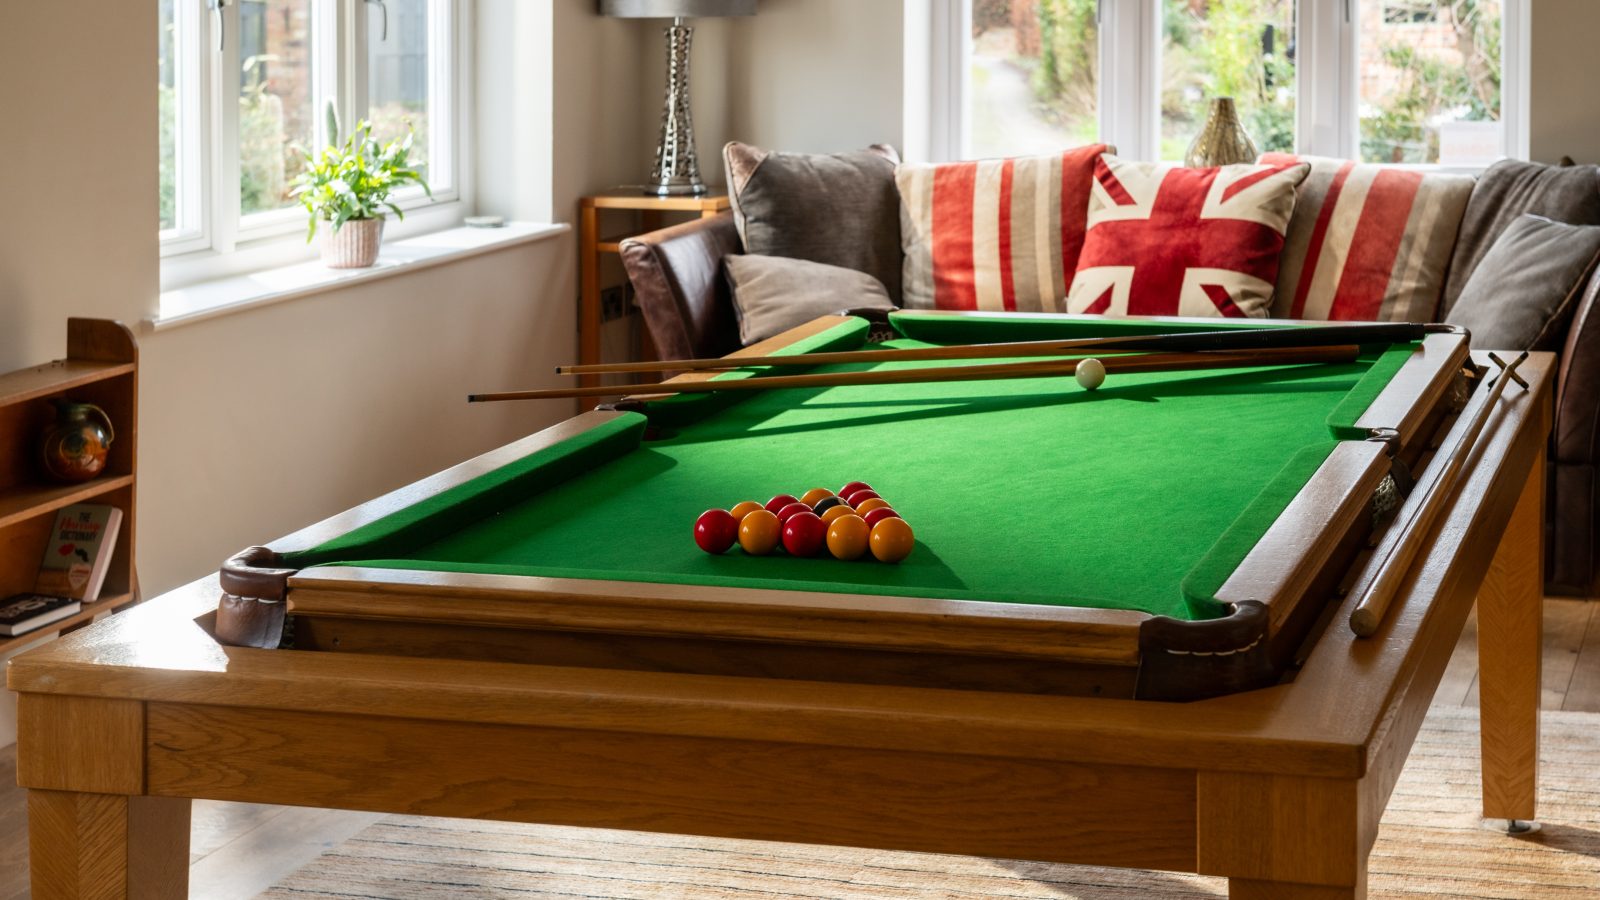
column 840, row 209
column 1508, row 190
column 772, row 294
column 1525, row 289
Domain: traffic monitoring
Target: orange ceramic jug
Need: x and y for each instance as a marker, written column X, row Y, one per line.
column 75, row 445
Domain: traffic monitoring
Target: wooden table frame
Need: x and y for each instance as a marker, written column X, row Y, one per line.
column 1278, row 789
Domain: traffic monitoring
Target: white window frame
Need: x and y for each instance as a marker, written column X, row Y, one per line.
column 1327, row 78
column 212, row 239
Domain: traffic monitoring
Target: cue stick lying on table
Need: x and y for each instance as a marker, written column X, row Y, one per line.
column 1153, row 362
column 1378, row 593
column 1186, row 341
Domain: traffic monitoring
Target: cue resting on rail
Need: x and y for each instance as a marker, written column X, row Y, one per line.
column 1186, row 341
column 1397, row 556
column 1153, row 362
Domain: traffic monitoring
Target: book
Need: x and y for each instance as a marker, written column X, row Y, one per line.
column 22, row 613
column 82, row 540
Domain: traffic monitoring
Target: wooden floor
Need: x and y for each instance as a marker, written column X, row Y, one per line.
column 239, row 850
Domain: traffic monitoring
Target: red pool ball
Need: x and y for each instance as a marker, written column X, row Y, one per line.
column 852, row 487
column 875, row 516
column 779, row 502
column 860, row 497
column 790, row 509
column 804, row 534
column 716, row 530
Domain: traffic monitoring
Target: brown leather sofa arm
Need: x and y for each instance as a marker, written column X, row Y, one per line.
column 677, row 277
column 1574, row 498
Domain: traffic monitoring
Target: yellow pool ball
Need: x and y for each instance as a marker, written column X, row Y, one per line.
column 835, row 512
column 740, row 510
column 759, row 532
column 870, row 505
column 815, row 496
column 891, row 540
column 848, row 536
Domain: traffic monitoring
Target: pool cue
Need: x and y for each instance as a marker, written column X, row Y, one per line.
column 1185, row 341
column 1377, row 594
column 1154, row 362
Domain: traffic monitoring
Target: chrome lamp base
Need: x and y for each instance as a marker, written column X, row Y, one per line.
column 677, row 169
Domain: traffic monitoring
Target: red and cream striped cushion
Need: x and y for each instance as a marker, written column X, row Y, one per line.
column 999, row 234
column 1367, row 242
column 1165, row 240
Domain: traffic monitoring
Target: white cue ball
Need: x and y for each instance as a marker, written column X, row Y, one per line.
column 1091, row 373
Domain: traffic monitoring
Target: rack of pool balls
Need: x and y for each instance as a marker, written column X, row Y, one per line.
column 849, row 524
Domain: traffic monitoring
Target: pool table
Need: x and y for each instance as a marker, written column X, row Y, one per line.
column 1173, row 535
column 1120, row 638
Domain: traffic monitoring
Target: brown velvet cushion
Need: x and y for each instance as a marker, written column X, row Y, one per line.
column 1508, row 190
column 1526, row 287
column 772, row 294
column 840, row 210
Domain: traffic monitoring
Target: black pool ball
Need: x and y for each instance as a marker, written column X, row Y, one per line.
column 827, row 503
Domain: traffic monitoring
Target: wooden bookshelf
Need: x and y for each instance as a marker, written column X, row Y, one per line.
column 101, row 367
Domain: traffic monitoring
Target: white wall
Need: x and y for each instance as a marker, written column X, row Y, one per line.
column 1566, row 108
column 79, row 234
column 815, row 76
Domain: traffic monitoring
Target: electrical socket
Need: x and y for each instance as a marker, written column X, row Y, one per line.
column 613, row 303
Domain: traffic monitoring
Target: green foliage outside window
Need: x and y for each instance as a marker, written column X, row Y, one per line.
column 1242, row 49
column 1403, row 126
column 265, row 154
column 1067, row 77
column 168, row 197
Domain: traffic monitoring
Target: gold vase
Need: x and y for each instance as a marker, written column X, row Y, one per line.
column 1223, row 141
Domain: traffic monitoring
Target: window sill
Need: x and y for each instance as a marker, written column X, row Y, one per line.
column 208, row 300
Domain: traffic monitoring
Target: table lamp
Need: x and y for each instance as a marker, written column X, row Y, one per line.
column 677, row 169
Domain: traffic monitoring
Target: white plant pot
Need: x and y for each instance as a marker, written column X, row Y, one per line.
column 354, row 246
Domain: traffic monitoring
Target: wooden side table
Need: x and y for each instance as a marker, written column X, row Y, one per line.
column 591, row 245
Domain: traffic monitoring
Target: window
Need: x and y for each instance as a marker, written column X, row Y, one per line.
column 1395, row 81
column 1430, row 76
column 1034, row 77
column 243, row 89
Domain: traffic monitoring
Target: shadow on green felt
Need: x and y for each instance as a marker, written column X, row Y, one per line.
column 747, row 418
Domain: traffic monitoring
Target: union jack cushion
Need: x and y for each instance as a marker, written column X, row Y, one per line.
column 1368, row 242
column 999, row 234
column 1166, row 240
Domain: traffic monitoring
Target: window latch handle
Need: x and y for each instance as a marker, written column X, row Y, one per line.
column 383, row 7
column 216, row 7
column 1347, row 12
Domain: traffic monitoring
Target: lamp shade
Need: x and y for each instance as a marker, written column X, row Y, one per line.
column 673, row 9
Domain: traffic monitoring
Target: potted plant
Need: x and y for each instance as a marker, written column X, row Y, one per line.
column 348, row 185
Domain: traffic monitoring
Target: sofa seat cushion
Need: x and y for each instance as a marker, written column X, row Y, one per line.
column 772, row 294
column 1167, row 240
column 838, row 209
column 1367, row 242
column 1525, row 289
column 1508, row 190
column 997, row 234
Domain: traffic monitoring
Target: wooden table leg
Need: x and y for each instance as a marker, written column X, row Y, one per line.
column 1283, row 837
column 107, row 847
column 1510, row 619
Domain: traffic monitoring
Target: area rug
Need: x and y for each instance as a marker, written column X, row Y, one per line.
column 1431, row 845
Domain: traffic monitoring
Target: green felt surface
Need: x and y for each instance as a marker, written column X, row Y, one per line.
column 1143, row 495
